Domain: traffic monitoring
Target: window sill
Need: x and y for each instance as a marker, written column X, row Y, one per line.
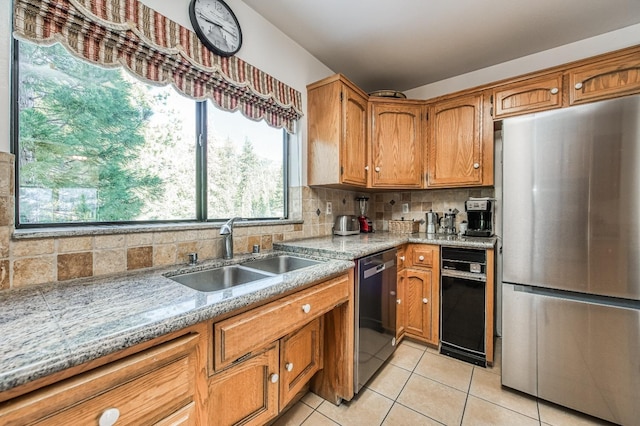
column 81, row 231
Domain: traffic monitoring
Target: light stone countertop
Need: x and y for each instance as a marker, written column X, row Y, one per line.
column 350, row 247
column 51, row 327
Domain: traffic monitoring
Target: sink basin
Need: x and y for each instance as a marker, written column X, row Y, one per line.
column 219, row 278
column 281, row 264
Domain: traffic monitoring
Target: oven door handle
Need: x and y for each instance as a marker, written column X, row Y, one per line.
column 472, row 276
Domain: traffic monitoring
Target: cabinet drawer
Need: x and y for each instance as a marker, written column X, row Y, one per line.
column 145, row 388
column 244, row 333
column 425, row 256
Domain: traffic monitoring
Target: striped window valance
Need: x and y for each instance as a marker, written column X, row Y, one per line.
column 128, row 33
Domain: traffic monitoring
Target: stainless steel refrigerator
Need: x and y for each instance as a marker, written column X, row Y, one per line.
column 571, row 257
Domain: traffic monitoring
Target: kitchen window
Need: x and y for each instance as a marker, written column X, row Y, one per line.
column 97, row 145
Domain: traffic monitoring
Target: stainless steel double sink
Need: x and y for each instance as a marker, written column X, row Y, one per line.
column 223, row 277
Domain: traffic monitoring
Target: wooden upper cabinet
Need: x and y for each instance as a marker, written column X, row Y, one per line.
column 536, row 94
column 604, row 79
column 337, row 133
column 396, row 143
column 460, row 142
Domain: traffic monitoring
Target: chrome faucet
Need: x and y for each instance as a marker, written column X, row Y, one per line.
column 227, row 238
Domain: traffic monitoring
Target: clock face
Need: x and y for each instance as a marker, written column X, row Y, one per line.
column 216, row 26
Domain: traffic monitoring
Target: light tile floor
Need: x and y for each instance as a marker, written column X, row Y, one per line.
column 418, row 386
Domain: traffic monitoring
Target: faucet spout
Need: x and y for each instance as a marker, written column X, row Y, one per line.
column 226, row 230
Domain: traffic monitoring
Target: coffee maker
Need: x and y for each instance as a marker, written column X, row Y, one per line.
column 365, row 223
column 480, row 217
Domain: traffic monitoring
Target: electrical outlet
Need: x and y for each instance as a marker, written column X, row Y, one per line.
column 405, row 208
column 329, row 207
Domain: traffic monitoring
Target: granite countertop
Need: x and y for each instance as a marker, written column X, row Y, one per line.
column 48, row 328
column 51, row 327
column 350, row 247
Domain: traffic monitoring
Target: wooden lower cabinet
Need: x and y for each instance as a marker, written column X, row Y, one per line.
column 417, row 289
column 155, row 386
column 400, row 301
column 246, row 393
column 420, row 283
column 300, row 358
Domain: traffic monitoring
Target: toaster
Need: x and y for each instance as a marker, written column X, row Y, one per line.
column 346, row 225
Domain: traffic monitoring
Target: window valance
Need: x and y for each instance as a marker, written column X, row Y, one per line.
column 128, row 33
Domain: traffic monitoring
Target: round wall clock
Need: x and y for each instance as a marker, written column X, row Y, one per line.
column 216, row 26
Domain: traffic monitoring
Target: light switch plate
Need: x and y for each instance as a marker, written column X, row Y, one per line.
column 329, row 207
column 405, row 208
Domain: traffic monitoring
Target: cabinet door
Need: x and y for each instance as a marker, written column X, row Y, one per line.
column 396, row 145
column 537, row 94
column 337, row 126
column 419, row 304
column 300, row 359
column 246, row 393
column 455, row 143
column 353, row 161
column 605, row 79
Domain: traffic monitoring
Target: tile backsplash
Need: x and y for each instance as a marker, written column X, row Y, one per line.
column 40, row 259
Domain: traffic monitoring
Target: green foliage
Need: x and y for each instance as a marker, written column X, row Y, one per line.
column 82, row 126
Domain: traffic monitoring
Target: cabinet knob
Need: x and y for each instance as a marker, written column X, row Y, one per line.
column 425, row 300
column 476, row 165
column 399, row 301
column 289, row 366
column 578, row 86
column 377, row 169
column 306, row 308
column 366, row 168
column 402, row 258
column 421, row 258
column 109, row 417
column 554, row 91
column 274, row 378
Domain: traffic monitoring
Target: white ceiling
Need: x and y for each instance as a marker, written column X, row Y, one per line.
column 404, row 44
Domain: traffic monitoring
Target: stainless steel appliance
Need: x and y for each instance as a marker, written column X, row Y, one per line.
column 571, row 261
column 479, row 217
column 365, row 223
column 432, row 222
column 448, row 222
column 375, row 314
column 462, row 304
column 346, row 225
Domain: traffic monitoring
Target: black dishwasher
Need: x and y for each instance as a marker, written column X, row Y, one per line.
column 462, row 304
column 375, row 314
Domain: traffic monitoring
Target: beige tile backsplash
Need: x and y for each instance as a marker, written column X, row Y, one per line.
column 25, row 262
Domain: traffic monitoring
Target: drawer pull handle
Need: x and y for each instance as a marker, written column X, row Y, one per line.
column 366, row 168
column 421, row 258
column 476, row 165
column 377, row 169
column 306, row 308
column 399, row 301
column 554, row 91
column 109, row 417
column 402, row 258
column 578, row 86
column 274, row 378
column 425, row 300
column 289, row 366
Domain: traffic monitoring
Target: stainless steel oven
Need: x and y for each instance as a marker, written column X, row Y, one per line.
column 375, row 314
column 462, row 298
